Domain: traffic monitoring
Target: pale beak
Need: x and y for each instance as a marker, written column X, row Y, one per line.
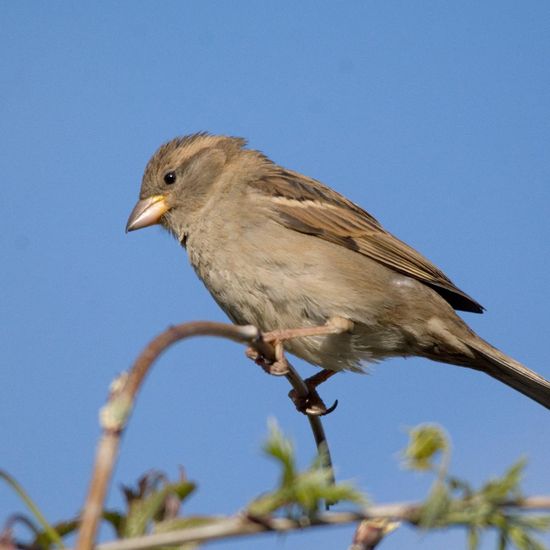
column 147, row 212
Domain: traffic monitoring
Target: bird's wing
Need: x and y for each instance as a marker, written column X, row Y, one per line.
column 306, row 205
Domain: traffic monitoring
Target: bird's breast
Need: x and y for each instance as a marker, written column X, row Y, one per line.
column 255, row 279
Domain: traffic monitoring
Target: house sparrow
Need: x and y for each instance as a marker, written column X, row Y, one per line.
column 278, row 250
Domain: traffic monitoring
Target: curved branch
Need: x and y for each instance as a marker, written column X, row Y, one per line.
column 115, row 414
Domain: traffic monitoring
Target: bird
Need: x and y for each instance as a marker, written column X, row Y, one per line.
column 277, row 249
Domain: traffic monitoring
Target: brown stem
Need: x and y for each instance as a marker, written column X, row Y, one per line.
column 115, row 414
column 314, row 421
column 229, row 527
column 298, row 384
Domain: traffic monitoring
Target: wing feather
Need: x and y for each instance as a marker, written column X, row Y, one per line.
column 306, row 205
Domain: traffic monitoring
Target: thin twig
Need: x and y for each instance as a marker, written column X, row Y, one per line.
column 333, row 326
column 315, row 423
column 237, row 526
column 115, row 414
column 302, row 391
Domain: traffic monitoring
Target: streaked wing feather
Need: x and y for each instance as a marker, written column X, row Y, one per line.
column 306, row 205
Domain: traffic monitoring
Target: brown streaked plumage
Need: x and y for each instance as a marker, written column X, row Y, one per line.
column 280, row 250
column 336, row 219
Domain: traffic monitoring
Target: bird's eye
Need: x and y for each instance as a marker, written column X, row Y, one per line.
column 169, row 178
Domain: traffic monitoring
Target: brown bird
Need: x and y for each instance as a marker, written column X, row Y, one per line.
column 278, row 250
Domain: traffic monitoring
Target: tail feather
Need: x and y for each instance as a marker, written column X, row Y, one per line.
column 509, row 371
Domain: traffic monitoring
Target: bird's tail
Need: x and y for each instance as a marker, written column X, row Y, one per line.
column 509, row 371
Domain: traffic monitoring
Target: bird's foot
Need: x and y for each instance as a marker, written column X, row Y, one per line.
column 273, row 361
column 275, row 367
column 312, row 404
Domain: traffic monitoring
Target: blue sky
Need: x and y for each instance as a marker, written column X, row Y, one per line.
column 433, row 116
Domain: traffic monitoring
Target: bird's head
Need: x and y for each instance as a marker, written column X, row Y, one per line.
column 178, row 178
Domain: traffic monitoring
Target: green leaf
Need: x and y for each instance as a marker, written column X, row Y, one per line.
column 506, row 487
column 519, row 538
column 269, row 503
column 62, row 528
column 534, row 522
column 425, row 442
column 144, row 510
column 282, row 450
column 300, row 493
column 49, row 531
column 116, row 520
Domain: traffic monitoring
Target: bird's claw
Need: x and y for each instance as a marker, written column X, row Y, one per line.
column 275, row 368
column 311, row 404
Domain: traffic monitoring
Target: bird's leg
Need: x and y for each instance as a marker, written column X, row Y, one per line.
column 273, row 361
column 335, row 325
column 306, row 401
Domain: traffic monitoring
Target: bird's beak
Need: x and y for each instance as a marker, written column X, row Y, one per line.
column 147, row 212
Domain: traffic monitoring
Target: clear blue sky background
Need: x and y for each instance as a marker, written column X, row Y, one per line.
column 434, row 116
